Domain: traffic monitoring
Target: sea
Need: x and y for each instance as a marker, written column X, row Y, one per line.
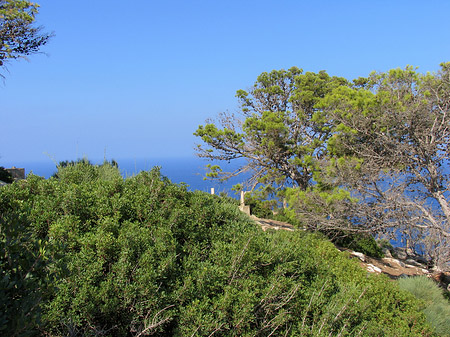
column 189, row 170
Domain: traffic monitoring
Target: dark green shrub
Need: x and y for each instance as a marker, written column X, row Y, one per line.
column 5, row 176
column 435, row 306
column 281, row 215
column 258, row 207
column 367, row 244
column 25, row 279
column 363, row 243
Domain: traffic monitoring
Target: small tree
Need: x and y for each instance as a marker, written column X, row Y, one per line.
column 280, row 132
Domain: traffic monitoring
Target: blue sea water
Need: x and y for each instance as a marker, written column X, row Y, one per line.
column 189, row 170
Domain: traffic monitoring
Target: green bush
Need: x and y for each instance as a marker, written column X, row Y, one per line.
column 435, row 305
column 25, row 279
column 5, row 176
column 144, row 256
column 363, row 243
column 258, row 207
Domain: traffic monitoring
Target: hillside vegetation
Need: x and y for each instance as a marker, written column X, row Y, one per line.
column 88, row 253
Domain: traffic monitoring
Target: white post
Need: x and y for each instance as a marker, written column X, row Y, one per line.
column 242, row 207
column 212, row 190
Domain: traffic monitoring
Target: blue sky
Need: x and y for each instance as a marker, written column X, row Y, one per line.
column 135, row 79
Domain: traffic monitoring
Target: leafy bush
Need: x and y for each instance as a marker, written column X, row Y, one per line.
column 360, row 242
column 144, row 256
column 435, row 306
column 25, row 280
column 268, row 209
column 258, row 207
column 5, row 176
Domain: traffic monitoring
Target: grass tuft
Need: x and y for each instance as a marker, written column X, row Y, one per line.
column 436, row 306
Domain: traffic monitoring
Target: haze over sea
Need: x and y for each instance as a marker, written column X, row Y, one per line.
column 188, row 170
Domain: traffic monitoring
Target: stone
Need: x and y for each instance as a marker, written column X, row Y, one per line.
column 400, row 253
column 245, row 209
column 394, row 263
column 373, row 269
column 360, row 256
column 414, row 263
column 386, row 252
